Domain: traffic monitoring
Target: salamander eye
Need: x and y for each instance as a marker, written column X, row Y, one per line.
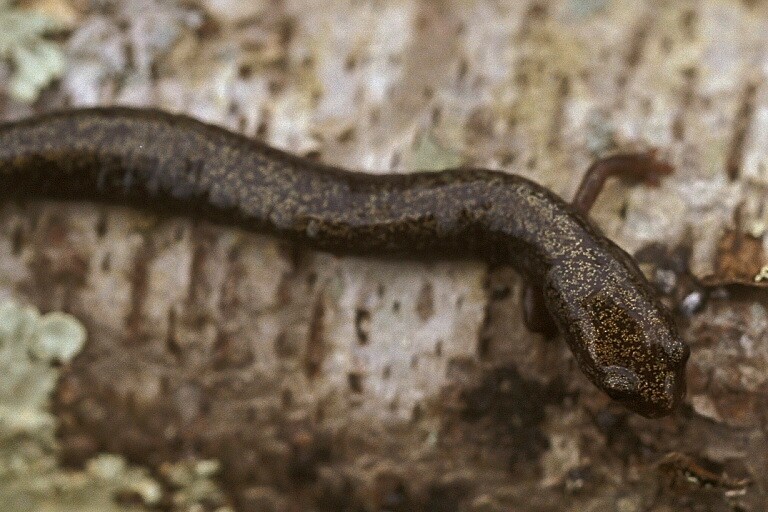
column 620, row 380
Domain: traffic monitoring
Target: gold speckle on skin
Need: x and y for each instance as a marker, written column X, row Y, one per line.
column 622, row 337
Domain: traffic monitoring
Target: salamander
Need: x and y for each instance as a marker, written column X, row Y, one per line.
column 622, row 337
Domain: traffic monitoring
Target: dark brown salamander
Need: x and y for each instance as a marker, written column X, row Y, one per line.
column 624, row 340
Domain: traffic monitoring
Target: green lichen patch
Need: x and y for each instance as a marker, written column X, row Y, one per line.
column 35, row 61
column 193, row 484
column 430, row 156
column 26, row 377
column 58, row 337
column 32, row 347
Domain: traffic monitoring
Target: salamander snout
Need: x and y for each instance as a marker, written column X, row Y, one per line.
column 651, row 395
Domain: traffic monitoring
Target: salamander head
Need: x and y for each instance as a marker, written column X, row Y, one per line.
column 626, row 342
column 639, row 358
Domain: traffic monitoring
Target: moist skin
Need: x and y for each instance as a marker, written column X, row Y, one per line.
column 623, row 339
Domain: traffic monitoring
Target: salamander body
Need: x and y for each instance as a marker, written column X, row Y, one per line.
column 623, row 339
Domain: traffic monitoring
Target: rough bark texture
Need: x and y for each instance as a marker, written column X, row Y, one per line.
column 325, row 383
